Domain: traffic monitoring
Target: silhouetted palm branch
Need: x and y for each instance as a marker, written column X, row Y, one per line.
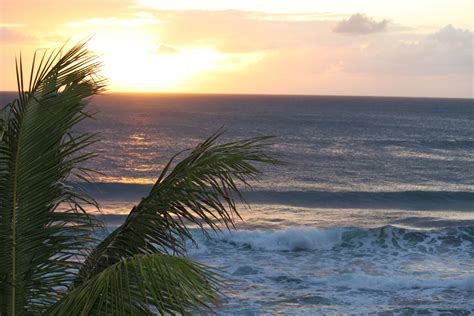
column 143, row 284
column 44, row 230
column 200, row 190
column 51, row 260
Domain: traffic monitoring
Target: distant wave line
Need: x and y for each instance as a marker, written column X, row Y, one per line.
column 406, row 200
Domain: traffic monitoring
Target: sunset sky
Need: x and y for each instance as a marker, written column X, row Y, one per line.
column 338, row 47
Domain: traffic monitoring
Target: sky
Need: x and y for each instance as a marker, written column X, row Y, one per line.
column 421, row 48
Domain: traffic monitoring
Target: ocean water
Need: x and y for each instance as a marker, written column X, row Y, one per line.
column 372, row 212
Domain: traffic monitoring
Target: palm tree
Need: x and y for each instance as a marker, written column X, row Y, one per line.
column 52, row 260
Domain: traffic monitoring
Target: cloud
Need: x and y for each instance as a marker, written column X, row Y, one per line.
column 454, row 36
column 165, row 49
column 243, row 32
column 403, row 61
column 11, row 36
column 445, row 52
column 11, row 25
column 360, row 24
column 112, row 22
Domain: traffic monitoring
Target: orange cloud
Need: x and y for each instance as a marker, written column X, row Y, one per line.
column 237, row 51
column 360, row 24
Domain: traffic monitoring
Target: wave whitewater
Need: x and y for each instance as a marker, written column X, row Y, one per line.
column 343, row 270
column 372, row 239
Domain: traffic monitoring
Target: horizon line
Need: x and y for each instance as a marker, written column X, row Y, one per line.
column 270, row 94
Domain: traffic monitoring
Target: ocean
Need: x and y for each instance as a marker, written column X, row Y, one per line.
column 372, row 211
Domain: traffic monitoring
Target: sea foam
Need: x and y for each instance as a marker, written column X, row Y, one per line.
column 292, row 239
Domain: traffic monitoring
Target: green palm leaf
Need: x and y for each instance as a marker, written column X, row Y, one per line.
column 43, row 227
column 143, row 285
column 48, row 262
column 3, row 122
column 200, row 190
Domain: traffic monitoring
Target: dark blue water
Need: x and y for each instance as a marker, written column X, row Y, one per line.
column 329, row 143
column 372, row 211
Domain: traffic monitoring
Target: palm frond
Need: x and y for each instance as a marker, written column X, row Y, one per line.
column 143, row 284
column 43, row 226
column 201, row 189
column 3, row 121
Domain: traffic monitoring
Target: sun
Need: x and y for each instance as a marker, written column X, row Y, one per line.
column 133, row 62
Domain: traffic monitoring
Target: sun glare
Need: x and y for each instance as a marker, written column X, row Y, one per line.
column 133, row 62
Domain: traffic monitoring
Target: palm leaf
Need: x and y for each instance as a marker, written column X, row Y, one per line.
column 143, row 285
column 201, row 189
column 43, row 226
column 3, row 121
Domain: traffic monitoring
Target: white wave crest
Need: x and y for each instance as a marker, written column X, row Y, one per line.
column 292, row 239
